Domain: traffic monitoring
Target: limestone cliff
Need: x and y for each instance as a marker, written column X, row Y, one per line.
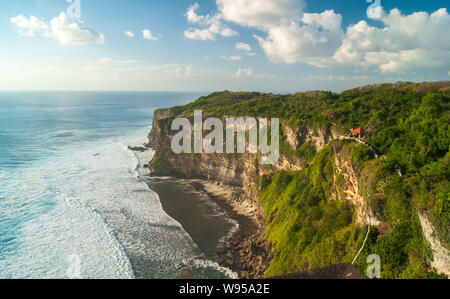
column 441, row 255
column 243, row 172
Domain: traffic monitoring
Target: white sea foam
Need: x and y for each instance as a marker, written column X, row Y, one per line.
column 89, row 203
column 52, row 201
column 213, row 265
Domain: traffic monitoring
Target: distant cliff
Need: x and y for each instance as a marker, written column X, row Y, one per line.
column 315, row 204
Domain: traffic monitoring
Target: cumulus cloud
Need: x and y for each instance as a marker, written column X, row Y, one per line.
column 243, row 46
column 26, row 26
column 401, row 43
column 264, row 14
column 194, row 18
column 68, row 31
column 61, row 28
column 311, row 41
column 375, row 11
column 291, row 35
column 147, row 34
column 129, row 34
column 406, row 42
column 211, row 25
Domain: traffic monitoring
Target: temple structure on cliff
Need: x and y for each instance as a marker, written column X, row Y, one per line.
column 357, row 133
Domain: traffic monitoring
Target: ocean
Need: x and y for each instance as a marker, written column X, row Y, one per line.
column 74, row 200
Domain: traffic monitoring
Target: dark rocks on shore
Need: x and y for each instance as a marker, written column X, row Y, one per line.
column 246, row 252
column 140, row 149
column 251, row 255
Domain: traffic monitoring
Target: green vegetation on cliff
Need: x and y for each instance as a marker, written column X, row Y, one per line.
column 310, row 229
column 306, row 228
column 408, row 127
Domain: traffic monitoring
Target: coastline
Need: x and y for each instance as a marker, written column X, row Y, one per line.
column 233, row 189
column 244, row 250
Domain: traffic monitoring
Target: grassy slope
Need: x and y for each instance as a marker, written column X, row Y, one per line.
column 408, row 124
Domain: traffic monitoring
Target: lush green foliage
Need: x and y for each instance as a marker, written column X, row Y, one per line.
column 307, row 229
column 158, row 161
column 408, row 126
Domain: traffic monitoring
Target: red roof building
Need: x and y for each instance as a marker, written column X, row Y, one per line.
column 358, row 131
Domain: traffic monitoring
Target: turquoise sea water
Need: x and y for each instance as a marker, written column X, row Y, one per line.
column 71, row 202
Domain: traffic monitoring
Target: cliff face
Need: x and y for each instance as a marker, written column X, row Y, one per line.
column 350, row 190
column 243, row 172
column 441, row 255
column 240, row 172
column 296, row 137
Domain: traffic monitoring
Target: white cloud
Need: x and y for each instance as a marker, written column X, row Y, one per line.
column 243, row 46
column 244, row 73
column 194, row 18
column 27, row 27
column 209, row 33
column 403, row 43
column 104, row 61
column 418, row 41
column 129, row 34
column 64, row 30
column 375, row 11
column 327, row 20
column 250, row 75
column 68, row 31
column 312, row 41
column 292, row 35
column 147, row 34
column 263, row 14
column 211, row 26
column 234, row 58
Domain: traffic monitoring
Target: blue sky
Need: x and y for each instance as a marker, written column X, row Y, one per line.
column 267, row 45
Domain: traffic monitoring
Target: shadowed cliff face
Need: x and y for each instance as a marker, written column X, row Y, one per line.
column 238, row 171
